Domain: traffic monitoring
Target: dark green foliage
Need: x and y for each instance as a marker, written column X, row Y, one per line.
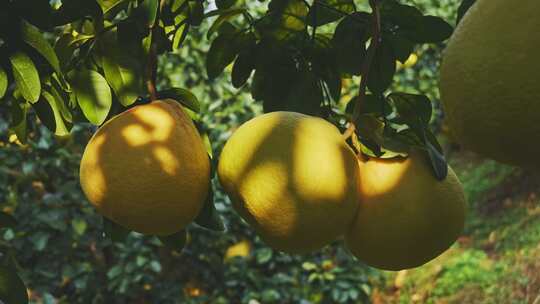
column 293, row 56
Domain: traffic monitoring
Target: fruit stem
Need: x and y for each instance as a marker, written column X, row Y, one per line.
column 366, row 65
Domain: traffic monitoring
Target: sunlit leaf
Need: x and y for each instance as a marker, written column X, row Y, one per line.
column 224, row 16
column 3, row 82
column 180, row 36
column 33, row 37
column 48, row 111
column 122, row 70
column 184, row 96
column 111, row 7
column 147, row 12
column 26, row 76
column 19, row 111
column 93, row 94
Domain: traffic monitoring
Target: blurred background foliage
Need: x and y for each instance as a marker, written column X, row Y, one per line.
column 64, row 258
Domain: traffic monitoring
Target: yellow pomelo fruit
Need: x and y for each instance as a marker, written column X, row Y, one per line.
column 293, row 178
column 147, row 169
column 490, row 81
column 406, row 217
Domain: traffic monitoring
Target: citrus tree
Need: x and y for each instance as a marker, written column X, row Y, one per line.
column 76, row 63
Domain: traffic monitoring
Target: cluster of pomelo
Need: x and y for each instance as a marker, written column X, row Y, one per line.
column 291, row 176
column 295, row 180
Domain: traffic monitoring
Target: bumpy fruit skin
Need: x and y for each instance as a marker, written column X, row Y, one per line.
column 147, row 169
column 490, row 81
column 405, row 217
column 293, row 178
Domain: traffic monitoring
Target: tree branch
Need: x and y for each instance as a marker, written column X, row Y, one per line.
column 366, row 66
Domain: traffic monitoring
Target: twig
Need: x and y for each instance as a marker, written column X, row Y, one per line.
column 366, row 65
column 151, row 68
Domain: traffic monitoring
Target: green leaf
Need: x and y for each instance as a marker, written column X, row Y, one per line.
column 66, row 46
column 208, row 217
column 242, row 68
column 61, row 97
column 372, row 104
column 184, row 96
column 263, row 255
column 93, row 94
column 401, row 46
column 175, row 241
column 21, row 126
column 12, row 288
column 39, row 12
column 147, row 12
column 3, row 82
column 17, row 112
column 382, row 70
column 224, row 4
column 222, row 52
column 180, row 35
column 7, row 220
column 48, row 109
column 438, row 162
column 431, row 29
column 112, row 7
column 72, row 10
column 224, row 16
column 332, row 78
column 79, row 226
column 349, row 42
column 196, row 13
column 113, row 231
column 415, row 109
column 286, row 19
column 26, row 76
column 405, row 16
column 370, row 127
column 177, row 4
column 463, row 8
column 122, row 69
column 33, row 37
column 321, row 11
